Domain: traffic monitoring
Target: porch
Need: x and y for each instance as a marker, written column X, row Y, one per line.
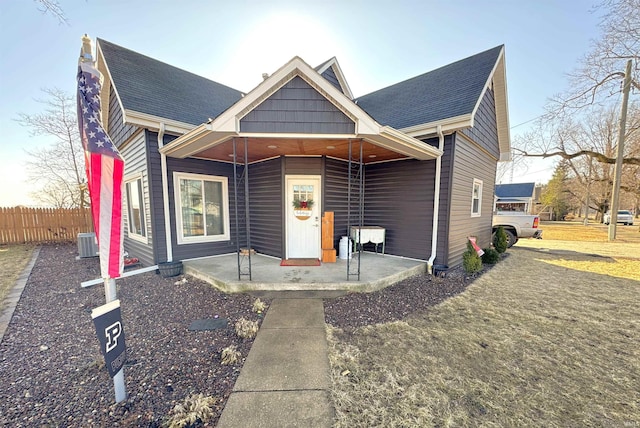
column 376, row 272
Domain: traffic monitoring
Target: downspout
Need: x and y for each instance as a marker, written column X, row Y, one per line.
column 165, row 194
column 436, row 202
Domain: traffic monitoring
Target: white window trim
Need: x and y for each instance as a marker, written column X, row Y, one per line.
column 479, row 183
column 136, row 237
column 178, row 208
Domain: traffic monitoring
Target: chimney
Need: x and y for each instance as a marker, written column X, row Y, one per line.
column 265, row 76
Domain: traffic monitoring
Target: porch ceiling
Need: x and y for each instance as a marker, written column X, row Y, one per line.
column 261, row 148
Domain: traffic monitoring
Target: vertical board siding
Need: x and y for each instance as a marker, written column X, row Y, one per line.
column 485, row 126
column 265, row 200
column 470, row 162
column 399, row 197
column 135, row 165
column 297, row 108
column 118, row 131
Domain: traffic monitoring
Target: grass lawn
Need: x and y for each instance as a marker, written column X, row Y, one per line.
column 13, row 259
column 530, row 343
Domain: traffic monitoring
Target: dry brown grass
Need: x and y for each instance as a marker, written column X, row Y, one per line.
column 13, row 260
column 621, row 258
column 594, row 232
column 555, row 346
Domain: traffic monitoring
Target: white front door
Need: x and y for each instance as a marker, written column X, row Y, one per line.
column 303, row 220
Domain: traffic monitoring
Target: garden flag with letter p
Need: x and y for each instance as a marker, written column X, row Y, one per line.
column 105, row 170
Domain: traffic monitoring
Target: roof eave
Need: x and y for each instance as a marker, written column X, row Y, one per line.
column 430, row 129
column 197, row 139
column 153, row 122
column 400, row 142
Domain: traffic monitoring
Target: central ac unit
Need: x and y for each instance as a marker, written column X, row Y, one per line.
column 87, row 246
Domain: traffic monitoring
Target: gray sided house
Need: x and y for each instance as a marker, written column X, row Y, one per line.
column 428, row 144
column 516, row 197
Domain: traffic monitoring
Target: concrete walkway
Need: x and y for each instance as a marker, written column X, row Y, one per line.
column 285, row 379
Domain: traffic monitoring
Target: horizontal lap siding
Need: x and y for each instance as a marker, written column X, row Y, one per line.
column 265, row 199
column 197, row 166
column 135, row 157
column 297, row 108
column 470, row 162
column 442, row 245
column 399, row 197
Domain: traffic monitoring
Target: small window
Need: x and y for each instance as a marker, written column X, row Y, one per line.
column 202, row 210
column 476, row 198
column 135, row 208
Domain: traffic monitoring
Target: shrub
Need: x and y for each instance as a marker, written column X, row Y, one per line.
column 490, row 256
column 471, row 261
column 230, row 355
column 259, row 306
column 500, row 240
column 246, row 329
column 196, row 408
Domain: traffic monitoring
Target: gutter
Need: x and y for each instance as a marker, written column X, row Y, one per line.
column 436, row 201
column 165, row 193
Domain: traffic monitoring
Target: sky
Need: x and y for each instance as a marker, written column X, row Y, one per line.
column 377, row 43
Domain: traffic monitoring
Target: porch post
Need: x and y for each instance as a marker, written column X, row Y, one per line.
column 360, row 175
column 236, row 183
column 235, row 202
column 246, row 202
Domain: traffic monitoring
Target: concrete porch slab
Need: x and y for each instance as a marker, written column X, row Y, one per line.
column 376, row 272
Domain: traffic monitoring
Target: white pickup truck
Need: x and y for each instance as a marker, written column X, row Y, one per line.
column 517, row 225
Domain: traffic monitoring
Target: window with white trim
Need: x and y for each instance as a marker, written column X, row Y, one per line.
column 135, row 208
column 202, row 208
column 476, row 198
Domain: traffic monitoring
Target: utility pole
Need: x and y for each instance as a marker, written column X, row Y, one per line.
column 615, row 200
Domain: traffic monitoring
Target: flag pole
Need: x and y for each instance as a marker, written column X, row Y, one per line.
column 118, row 380
column 110, row 289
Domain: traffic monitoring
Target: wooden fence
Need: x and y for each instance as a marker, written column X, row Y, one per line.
column 20, row 225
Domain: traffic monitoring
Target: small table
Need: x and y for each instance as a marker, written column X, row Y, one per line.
column 373, row 234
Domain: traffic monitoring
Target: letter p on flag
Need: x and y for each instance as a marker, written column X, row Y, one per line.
column 108, row 322
column 112, row 333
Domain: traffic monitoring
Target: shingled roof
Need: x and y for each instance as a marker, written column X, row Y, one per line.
column 149, row 86
column 447, row 92
column 515, row 190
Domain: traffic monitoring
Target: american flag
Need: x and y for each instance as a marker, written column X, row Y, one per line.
column 105, row 168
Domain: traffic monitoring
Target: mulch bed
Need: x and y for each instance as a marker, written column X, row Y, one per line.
column 54, row 375
column 412, row 295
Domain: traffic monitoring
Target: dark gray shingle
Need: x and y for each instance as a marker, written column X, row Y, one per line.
column 515, row 190
column 150, row 86
column 449, row 91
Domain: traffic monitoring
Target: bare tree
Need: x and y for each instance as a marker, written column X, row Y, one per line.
column 587, row 145
column 600, row 72
column 54, row 8
column 59, row 168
